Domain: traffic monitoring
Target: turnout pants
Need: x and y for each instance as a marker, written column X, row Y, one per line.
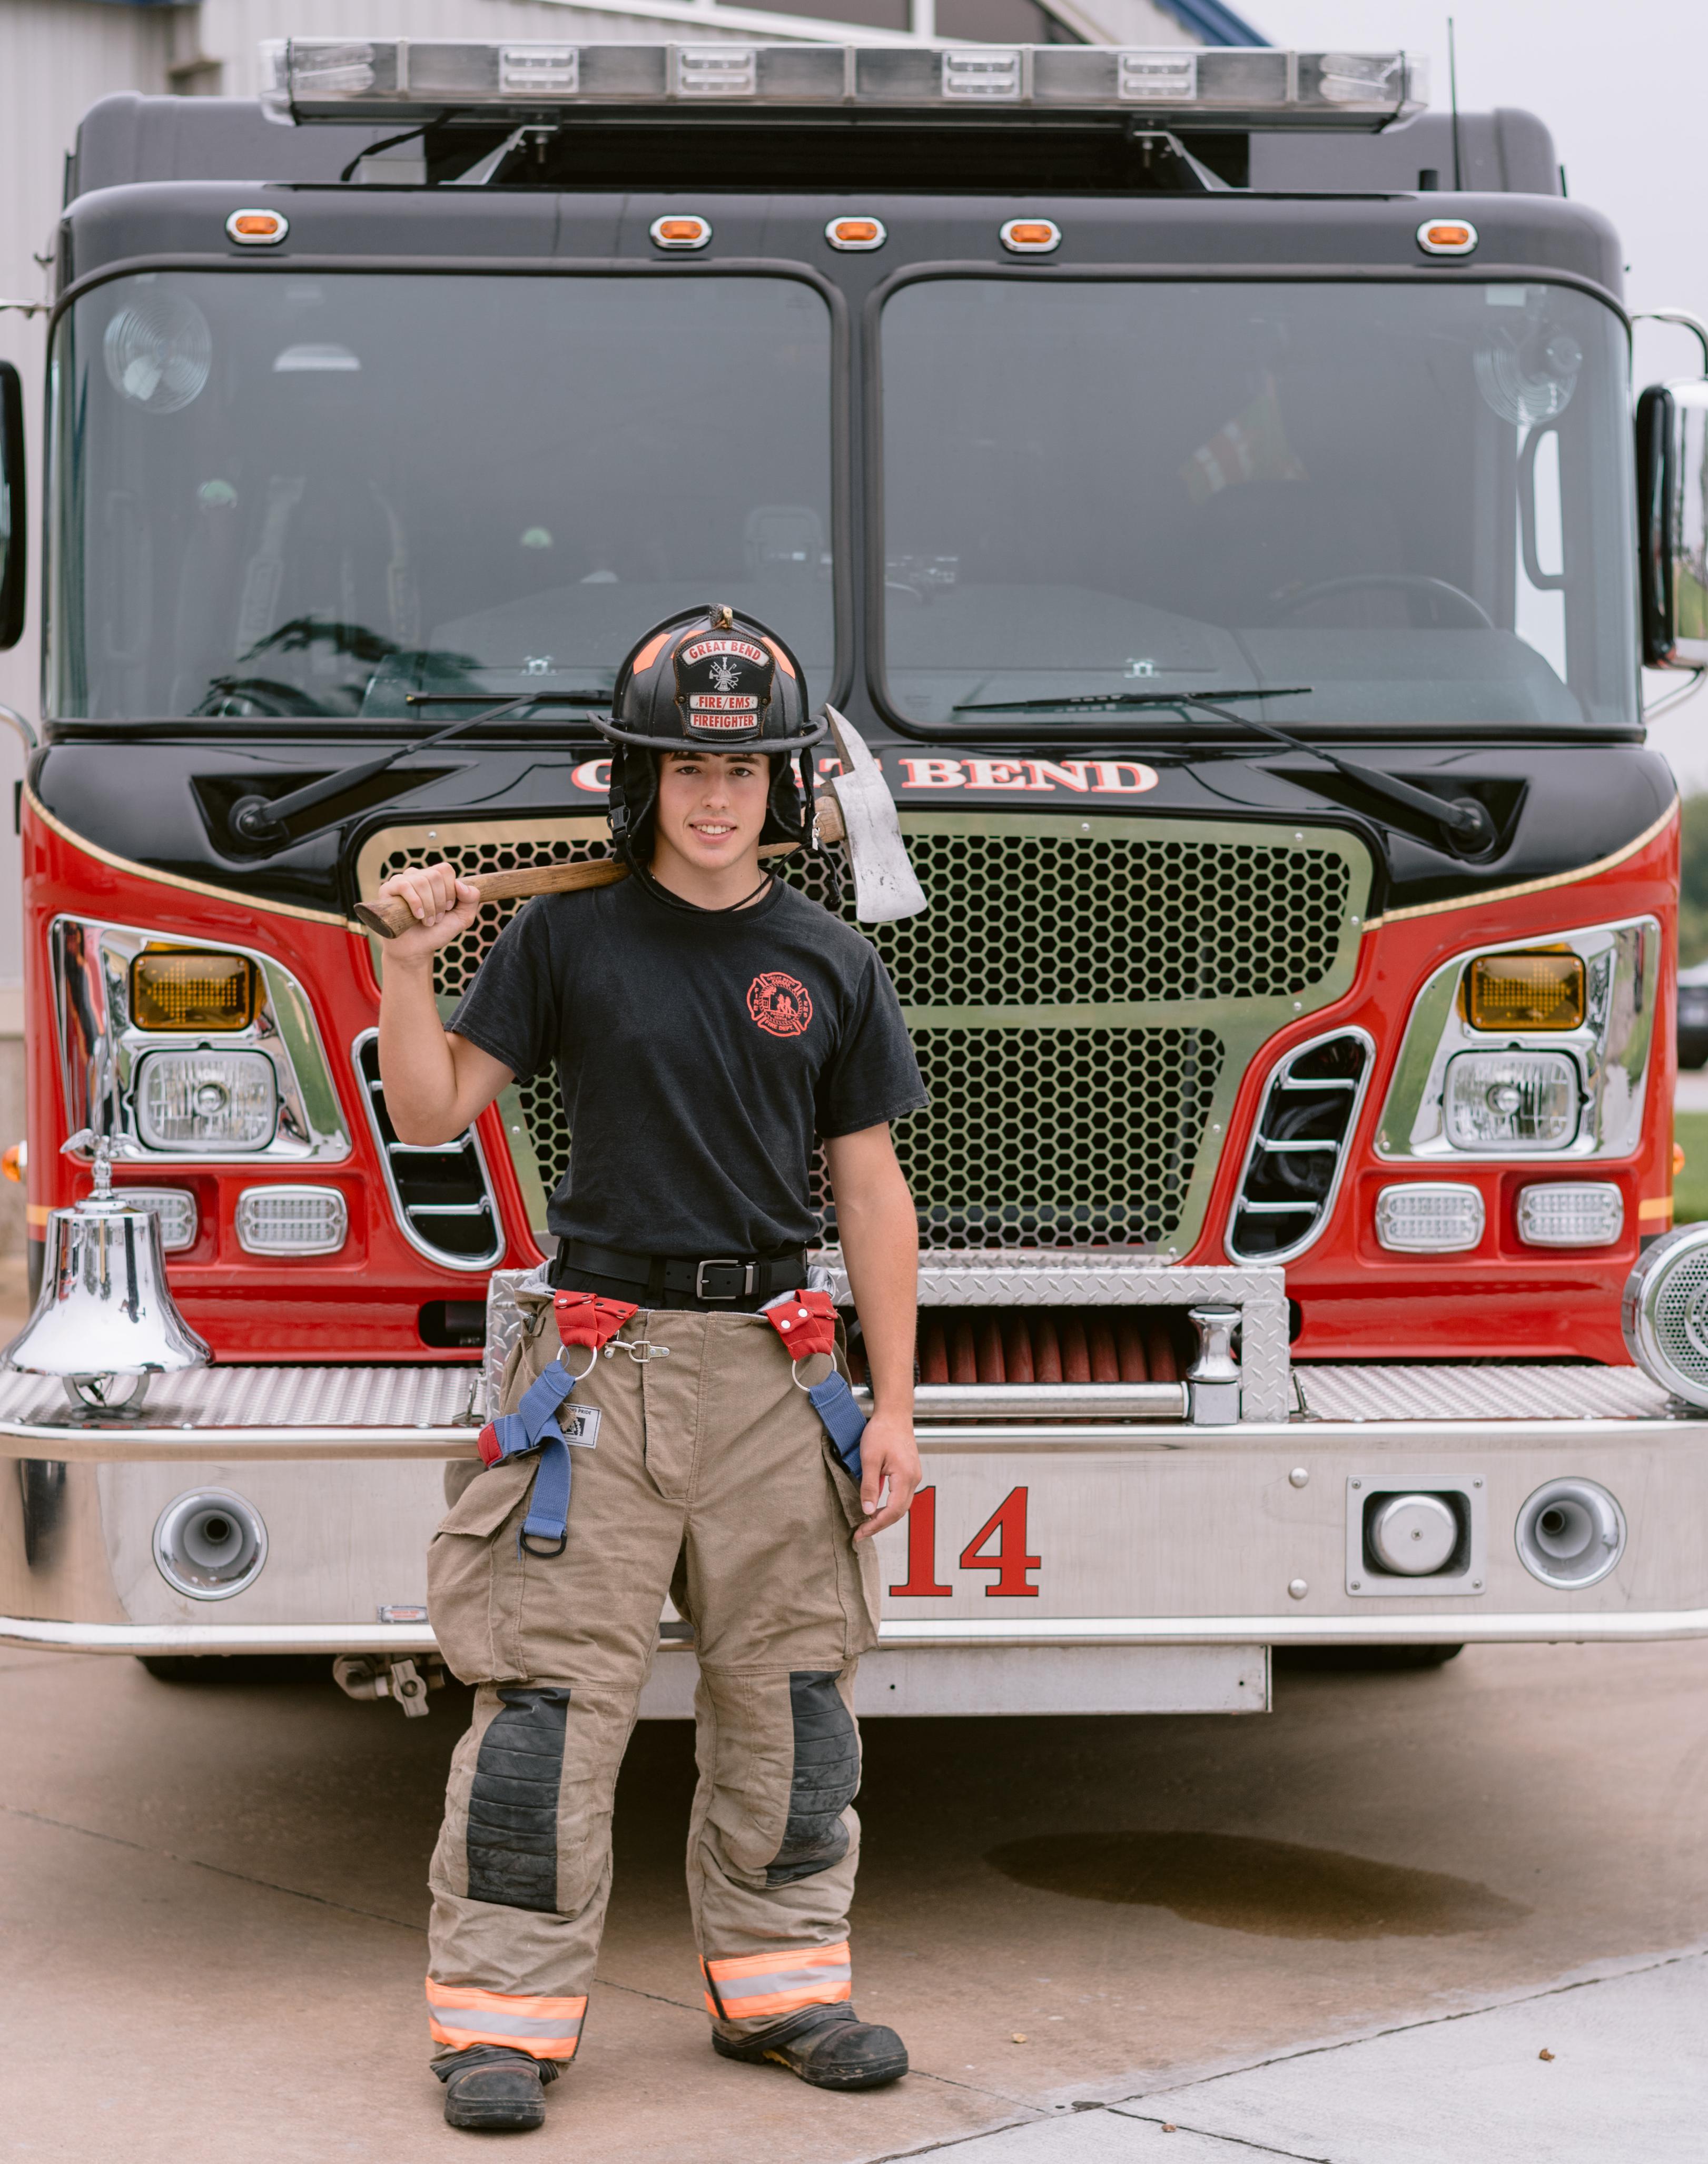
column 709, row 1479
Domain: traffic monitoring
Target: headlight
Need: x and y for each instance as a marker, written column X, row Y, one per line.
column 1516, row 1051
column 206, row 1100
column 1511, row 1100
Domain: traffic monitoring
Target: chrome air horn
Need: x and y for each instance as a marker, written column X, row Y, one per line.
column 105, row 1320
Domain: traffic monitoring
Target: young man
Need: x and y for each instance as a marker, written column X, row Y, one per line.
column 708, row 1023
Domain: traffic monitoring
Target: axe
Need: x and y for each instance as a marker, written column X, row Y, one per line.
column 857, row 810
column 862, row 806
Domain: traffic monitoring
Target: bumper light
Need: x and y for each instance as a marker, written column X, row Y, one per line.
column 1591, row 1215
column 208, row 1101
column 1525, row 991
column 175, row 1208
column 1429, row 1217
column 190, row 988
column 291, row 1221
column 1511, row 1100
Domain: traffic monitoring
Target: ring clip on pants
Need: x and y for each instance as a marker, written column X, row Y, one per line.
column 711, row 1479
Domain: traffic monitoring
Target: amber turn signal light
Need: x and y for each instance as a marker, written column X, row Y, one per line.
column 1525, row 991
column 679, row 232
column 855, row 234
column 1447, row 236
column 14, row 1162
column 192, row 988
column 257, row 229
column 1031, row 236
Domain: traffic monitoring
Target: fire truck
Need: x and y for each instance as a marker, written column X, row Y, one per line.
column 1209, row 484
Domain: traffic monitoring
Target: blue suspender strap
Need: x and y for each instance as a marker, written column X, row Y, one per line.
column 535, row 1419
column 844, row 1423
column 533, row 1425
column 548, row 1520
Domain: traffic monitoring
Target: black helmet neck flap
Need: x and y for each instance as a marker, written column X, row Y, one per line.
column 707, row 680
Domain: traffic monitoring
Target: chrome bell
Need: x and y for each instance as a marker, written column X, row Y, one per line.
column 105, row 1320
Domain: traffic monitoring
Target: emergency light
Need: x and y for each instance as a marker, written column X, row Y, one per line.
column 1534, row 991
column 389, row 79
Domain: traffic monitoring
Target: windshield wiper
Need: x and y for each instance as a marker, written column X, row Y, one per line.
column 1465, row 819
column 262, row 820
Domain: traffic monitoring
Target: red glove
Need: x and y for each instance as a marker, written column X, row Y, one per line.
column 806, row 1321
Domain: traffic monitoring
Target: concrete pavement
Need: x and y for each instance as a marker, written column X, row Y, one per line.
column 211, row 1906
column 1622, row 2074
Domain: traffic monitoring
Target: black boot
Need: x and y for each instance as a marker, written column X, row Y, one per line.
column 829, row 2047
column 491, row 2091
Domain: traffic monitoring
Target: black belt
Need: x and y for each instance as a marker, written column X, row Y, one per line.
column 718, row 1277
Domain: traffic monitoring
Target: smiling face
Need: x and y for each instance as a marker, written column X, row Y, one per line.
column 712, row 806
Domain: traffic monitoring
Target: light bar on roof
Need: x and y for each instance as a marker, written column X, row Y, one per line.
column 391, row 79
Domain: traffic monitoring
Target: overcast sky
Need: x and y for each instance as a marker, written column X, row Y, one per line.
column 1623, row 88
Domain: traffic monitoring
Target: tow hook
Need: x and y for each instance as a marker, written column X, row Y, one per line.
column 407, row 1680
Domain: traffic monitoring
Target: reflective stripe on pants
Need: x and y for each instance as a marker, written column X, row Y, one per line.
column 765, row 1986
column 544, row 2028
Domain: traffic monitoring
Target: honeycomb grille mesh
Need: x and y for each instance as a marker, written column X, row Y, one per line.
column 1062, row 1135
column 1056, row 920
column 1057, row 1138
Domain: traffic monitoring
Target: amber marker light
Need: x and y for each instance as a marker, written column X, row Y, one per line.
column 1525, row 991
column 1447, row 236
column 681, row 231
column 257, row 229
column 192, row 988
column 853, row 234
column 1031, row 236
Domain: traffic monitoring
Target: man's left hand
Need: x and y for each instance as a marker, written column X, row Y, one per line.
column 888, row 1453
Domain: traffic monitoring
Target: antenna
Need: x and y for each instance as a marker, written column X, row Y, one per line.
column 1452, row 82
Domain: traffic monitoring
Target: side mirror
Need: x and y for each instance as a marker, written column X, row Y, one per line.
column 13, row 524
column 1672, row 504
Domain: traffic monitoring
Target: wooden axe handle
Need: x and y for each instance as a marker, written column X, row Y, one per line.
column 388, row 918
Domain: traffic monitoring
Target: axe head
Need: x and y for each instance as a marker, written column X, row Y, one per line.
column 885, row 886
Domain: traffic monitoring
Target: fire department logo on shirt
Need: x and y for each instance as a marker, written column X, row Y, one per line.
column 781, row 1005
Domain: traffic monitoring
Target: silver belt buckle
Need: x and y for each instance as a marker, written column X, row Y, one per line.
column 749, row 1277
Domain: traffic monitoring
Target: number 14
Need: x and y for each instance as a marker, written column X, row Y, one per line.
column 1005, row 1526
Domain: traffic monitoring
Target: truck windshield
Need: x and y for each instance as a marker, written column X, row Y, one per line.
column 1415, row 499
column 286, row 494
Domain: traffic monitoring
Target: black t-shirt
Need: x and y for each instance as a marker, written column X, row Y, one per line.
column 699, row 1055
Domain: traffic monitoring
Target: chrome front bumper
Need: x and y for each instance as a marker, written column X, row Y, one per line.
column 1206, row 1530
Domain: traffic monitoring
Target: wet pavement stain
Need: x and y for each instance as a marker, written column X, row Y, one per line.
column 1278, row 1890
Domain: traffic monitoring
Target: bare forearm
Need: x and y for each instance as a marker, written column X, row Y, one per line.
column 416, row 1065
column 435, row 1083
column 879, row 1236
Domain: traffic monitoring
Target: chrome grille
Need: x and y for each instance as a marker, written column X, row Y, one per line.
column 439, row 1192
column 1298, row 1149
column 1084, row 995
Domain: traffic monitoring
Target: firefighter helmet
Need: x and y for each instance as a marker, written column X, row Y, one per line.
column 712, row 681
column 708, row 681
